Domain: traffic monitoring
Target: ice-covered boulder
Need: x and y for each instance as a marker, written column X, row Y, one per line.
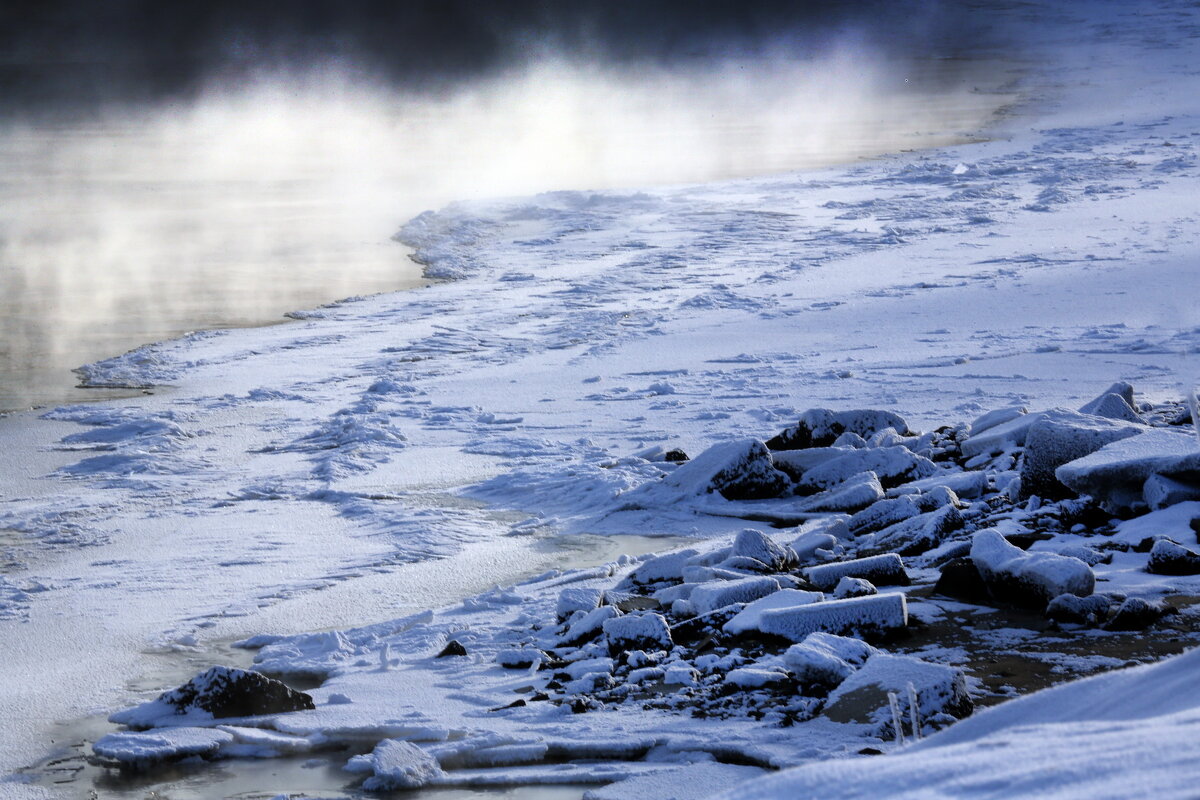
column 1122, row 391
column 862, row 616
column 891, row 465
column 939, row 689
column 738, row 470
column 1169, row 558
column 968, row 484
column 853, row 587
column 1112, row 406
column 401, row 765
column 718, row 594
column 825, row 659
column 520, row 657
column 637, row 632
column 748, row 618
column 1116, row 474
column 881, row 570
column 577, row 598
column 755, row 544
column 797, row 462
column 1027, row 579
column 1059, row 437
column 859, row 491
column 819, row 427
column 219, row 693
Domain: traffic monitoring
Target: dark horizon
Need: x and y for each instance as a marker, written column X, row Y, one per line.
column 76, row 55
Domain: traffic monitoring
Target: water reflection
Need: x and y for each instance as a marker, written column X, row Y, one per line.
column 278, row 195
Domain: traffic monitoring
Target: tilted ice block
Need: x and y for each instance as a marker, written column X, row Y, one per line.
column 748, row 618
column 863, row 615
column 718, row 594
column 1117, row 472
column 887, row 568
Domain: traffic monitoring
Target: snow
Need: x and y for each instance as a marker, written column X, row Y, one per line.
column 410, row 451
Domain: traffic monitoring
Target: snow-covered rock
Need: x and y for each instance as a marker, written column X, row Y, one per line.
column 1160, row 492
column 1027, row 579
column 891, row 465
column 667, row 567
column 1169, row 558
column 858, row 491
column 1123, row 392
column 755, row 544
column 589, row 626
column 940, row 689
column 881, row 570
column 219, row 693
column 819, row 427
column 1070, row 608
column 637, row 632
column 996, row 417
column 577, row 598
column 853, row 587
column 739, row 470
column 917, row 534
column 826, row 659
column 863, row 616
column 883, row 514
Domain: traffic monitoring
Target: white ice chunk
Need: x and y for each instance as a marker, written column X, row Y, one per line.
column 866, row 615
column 748, row 618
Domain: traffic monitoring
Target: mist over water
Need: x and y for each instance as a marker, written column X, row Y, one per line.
column 279, row 190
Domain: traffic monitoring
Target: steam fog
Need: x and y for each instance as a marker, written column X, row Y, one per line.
column 278, row 192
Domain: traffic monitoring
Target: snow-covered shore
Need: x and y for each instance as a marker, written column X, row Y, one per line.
column 465, row 420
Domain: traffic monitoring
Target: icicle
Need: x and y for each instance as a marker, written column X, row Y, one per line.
column 897, row 720
column 914, row 714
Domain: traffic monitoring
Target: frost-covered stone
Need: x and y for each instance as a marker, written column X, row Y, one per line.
column 589, row 627
column 1112, row 406
column 748, row 618
column 881, row 570
column 863, row 616
column 1123, row 392
column 577, row 598
column 939, row 689
column 738, row 470
column 719, row 594
column 1116, row 474
column 1169, row 558
column 1027, row 579
column 1070, row 608
column 850, row 439
column 1059, row 437
column 680, row 591
column 1159, row 491
column 859, row 491
column 825, row 659
column 883, row 514
column 1136, row 614
column 854, row 587
column 637, row 632
column 920, row 533
column 143, row 750
column 891, row 465
column 680, row 675
column 520, row 657
column 819, row 427
column 755, row 544
column 401, row 765
column 811, row 546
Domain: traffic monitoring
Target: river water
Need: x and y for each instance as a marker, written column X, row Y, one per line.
column 132, row 226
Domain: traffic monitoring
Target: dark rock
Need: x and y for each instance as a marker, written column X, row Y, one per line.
column 675, row 455
column 1072, row 609
column 820, row 427
column 1169, row 558
column 230, row 692
column 961, row 580
column 1136, row 614
column 452, row 648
